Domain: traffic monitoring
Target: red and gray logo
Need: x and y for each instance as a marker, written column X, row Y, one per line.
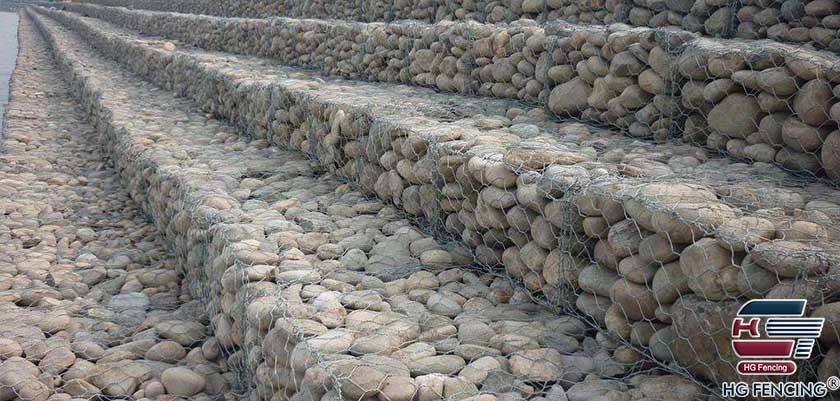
column 787, row 335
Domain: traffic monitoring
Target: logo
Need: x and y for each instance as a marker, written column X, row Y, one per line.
column 787, row 336
column 769, row 336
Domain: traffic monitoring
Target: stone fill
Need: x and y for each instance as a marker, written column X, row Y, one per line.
column 418, row 210
column 652, row 84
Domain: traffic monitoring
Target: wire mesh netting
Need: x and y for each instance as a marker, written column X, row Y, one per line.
column 560, row 259
column 812, row 24
column 761, row 102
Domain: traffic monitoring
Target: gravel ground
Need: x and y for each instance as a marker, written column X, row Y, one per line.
column 90, row 297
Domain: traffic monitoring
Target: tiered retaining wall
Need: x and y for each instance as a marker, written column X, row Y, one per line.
column 295, row 318
column 757, row 101
column 812, row 23
column 656, row 243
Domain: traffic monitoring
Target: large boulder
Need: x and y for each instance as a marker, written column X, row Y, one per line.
column 118, row 379
column 703, row 338
column 791, row 259
column 570, row 97
column 710, row 269
column 831, row 155
column 737, row 116
column 813, row 102
column 831, row 330
column 542, row 364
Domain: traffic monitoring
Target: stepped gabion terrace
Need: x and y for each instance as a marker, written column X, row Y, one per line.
column 420, row 200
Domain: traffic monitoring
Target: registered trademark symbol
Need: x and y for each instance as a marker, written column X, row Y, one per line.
column 833, row 383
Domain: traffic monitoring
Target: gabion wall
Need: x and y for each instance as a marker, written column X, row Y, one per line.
column 813, row 24
column 761, row 102
column 654, row 244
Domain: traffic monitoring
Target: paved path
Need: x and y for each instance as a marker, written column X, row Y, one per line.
column 8, row 53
